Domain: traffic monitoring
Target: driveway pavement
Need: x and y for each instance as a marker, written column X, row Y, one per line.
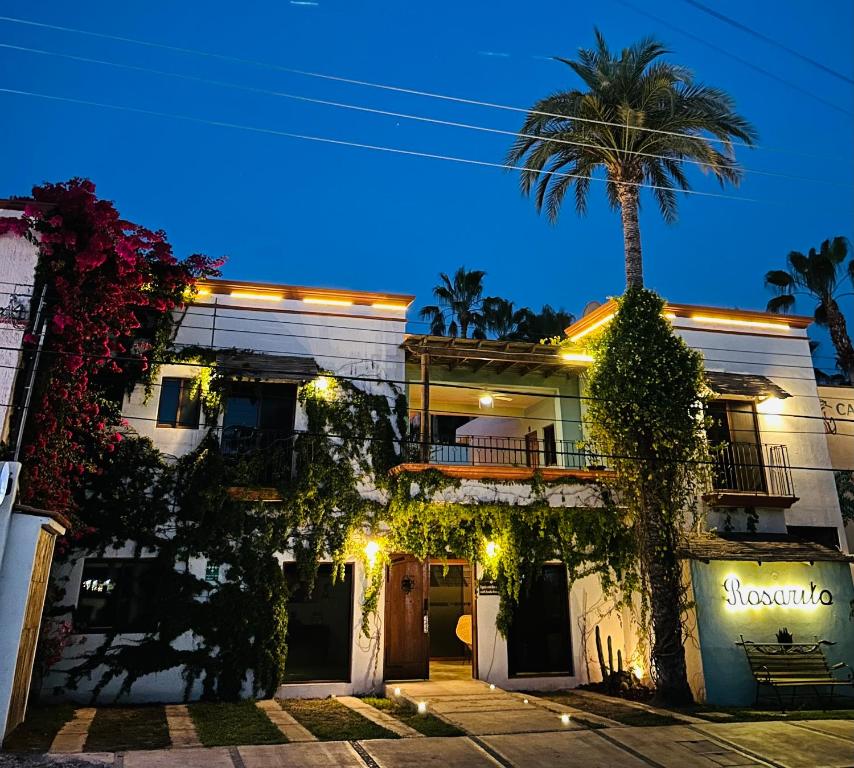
column 812, row 744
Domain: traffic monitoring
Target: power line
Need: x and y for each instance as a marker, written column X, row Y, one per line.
column 364, row 83
column 751, row 65
column 771, row 41
column 374, row 147
column 400, row 115
column 394, row 382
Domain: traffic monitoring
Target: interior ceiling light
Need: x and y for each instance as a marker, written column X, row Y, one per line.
column 486, row 400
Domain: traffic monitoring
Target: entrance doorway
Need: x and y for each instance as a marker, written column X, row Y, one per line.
column 429, row 625
column 451, row 622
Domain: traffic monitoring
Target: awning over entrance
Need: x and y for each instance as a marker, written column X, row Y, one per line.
column 781, row 549
column 268, row 367
column 744, row 385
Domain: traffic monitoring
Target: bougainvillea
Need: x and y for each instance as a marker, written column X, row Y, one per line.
column 110, row 288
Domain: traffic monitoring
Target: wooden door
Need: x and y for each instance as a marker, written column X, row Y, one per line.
column 407, row 636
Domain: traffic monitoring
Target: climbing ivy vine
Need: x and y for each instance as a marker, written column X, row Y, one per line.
column 645, row 409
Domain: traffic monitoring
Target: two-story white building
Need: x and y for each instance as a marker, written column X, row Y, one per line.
column 498, row 417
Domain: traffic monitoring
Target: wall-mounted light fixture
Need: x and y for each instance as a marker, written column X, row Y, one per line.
column 486, row 400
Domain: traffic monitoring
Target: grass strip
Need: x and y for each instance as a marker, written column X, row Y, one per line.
column 745, row 715
column 402, row 710
column 37, row 732
column 611, row 708
column 121, row 728
column 228, row 724
column 331, row 721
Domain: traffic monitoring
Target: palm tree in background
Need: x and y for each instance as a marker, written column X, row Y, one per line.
column 639, row 119
column 545, row 324
column 460, row 305
column 819, row 275
column 502, row 318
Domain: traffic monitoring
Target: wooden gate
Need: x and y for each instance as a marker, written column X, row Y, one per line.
column 407, row 636
column 30, row 630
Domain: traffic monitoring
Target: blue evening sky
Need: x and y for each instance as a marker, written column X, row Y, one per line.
column 295, row 211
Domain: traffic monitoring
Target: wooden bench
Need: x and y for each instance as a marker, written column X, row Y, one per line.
column 793, row 665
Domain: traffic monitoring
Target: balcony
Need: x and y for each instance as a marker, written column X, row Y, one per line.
column 505, row 458
column 258, row 461
column 751, row 475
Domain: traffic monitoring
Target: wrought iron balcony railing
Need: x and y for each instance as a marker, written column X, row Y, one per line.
column 752, row 468
column 257, row 457
column 503, row 452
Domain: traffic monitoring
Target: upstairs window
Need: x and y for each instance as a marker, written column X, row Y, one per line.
column 736, row 449
column 178, row 407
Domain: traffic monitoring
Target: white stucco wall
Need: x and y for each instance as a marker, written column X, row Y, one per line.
column 18, row 258
column 783, row 357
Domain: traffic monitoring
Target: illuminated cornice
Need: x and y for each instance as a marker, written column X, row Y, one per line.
column 271, row 292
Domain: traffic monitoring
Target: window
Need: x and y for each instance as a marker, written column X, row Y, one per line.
column 319, row 626
column 116, row 595
column 826, row 535
column 549, row 446
column 178, row 408
column 734, row 437
column 538, row 642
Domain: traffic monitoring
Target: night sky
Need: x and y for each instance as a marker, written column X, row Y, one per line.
column 294, row 211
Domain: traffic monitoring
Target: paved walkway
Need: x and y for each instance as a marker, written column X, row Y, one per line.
column 823, row 744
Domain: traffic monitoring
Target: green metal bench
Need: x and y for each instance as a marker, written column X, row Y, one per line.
column 793, row 665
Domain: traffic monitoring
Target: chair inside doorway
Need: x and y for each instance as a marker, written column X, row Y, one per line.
column 450, row 619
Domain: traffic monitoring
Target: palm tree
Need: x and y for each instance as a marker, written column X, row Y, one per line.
column 819, row 275
column 502, row 317
column 460, row 305
column 639, row 119
column 545, row 324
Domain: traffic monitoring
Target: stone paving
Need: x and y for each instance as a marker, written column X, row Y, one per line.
column 285, row 722
column 380, row 718
column 182, row 730
column 72, row 736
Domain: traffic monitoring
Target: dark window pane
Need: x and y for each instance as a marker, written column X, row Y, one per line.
column 167, row 410
column 177, row 407
column 116, row 595
column 538, row 642
column 319, row 626
column 549, row 445
column 819, row 534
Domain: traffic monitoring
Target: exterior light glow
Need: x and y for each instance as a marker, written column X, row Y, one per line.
column 771, row 409
column 321, row 383
column 333, row 302
column 576, row 357
column 256, row 295
column 740, row 323
column 491, row 552
column 486, row 400
column 372, row 549
column 524, row 701
column 671, row 315
column 637, row 671
column 590, row 328
column 395, row 307
column 422, row 707
column 564, row 718
column 492, row 686
column 203, row 292
column 397, row 691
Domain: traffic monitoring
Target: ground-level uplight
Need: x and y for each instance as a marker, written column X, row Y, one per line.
column 492, row 686
column 637, row 671
column 397, row 691
column 422, row 707
column 564, row 718
column 524, row 701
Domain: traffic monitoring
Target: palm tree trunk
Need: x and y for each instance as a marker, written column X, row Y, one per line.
column 628, row 196
column 840, row 338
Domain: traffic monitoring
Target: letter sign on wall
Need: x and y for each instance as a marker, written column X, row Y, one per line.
column 738, row 596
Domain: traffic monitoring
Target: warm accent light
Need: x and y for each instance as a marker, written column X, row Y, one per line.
column 394, row 307
column 321, row 383
column 492, row 686
column 486, row 400
column 397, row 691
column 256, row 295
column 576, row 357
column 333, row 302
column 422, row 707
column 491, row 549
column 637, row 671
column 524, row 701
column 372, row 549
column 740, row 323
column 564, row 718
column 590, row 328
column 771, row 409
column 671, row 315
column 203, row 292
